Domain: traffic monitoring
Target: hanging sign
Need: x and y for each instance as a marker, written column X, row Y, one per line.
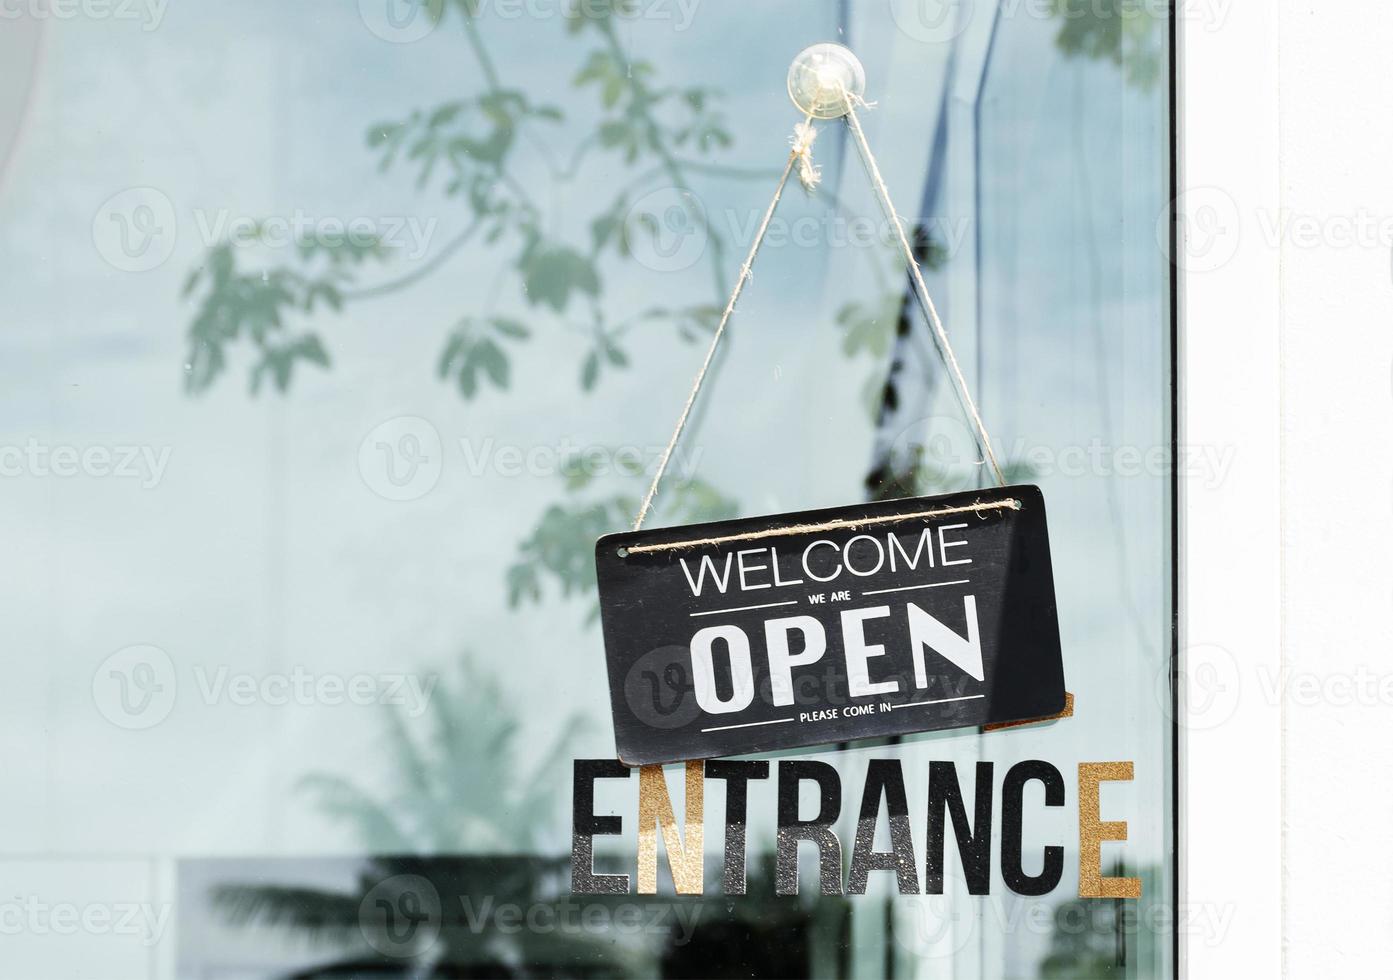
column 825, row 626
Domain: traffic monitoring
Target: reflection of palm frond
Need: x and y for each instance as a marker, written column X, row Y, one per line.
column 340, row 800
column 456, row 784
column 465, row 893
column 320, row 917
column 467, row 742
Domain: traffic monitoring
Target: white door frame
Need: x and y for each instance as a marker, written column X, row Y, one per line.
column 1229, row 772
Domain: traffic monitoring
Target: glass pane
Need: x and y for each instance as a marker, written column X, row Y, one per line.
column 336, row 333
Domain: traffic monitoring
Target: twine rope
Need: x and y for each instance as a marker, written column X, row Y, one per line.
column 801, row 156
column 838, row 524
column 921, row 291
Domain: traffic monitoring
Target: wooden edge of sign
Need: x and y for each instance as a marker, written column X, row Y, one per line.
column 1068, row 712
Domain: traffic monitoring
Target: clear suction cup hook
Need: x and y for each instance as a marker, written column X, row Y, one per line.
column 821, row 78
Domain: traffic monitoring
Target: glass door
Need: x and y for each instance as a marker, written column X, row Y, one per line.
column 336, row 333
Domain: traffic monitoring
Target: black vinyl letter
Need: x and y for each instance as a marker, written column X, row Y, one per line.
column 585, row 826
column 974, row 842
column 1012, row 818
column 737, row 776
column 887, row 776
column 818, row 830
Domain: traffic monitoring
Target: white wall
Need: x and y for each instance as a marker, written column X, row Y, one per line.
column 1288, row 649
column 1336, row 102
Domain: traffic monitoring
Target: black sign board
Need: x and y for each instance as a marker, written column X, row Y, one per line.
column 825, row 626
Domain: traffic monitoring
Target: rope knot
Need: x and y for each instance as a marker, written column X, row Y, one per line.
column 809, row 174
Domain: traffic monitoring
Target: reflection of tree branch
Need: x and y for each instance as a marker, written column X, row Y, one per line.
column 643, row 100
column 555, row 273
column 727, row 170
column 735, row 173
column 637, row 182
column 476, row 44
column 578, row 155
column 524, row 197
column 429, row 266
column 495, row 85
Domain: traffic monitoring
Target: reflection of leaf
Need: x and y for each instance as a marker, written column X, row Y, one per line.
column 613, row 77
column 868, row 326
column 523, row 585
column 613, row 354
column 622, row 134
column 692, row 322
column 606, row 352
column 1126, row 33
column 472, row 139
column 551, row 273
column 647, row 118
column 704, row 130
column 561, row 548
column 694, row 501
column 598, row 13
column 609, row 225
column 472, row 351
column 279, row 362
column 255, row 306
column 510, row 328
column 589, row 371
column 581, row 469
column 466, row 147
